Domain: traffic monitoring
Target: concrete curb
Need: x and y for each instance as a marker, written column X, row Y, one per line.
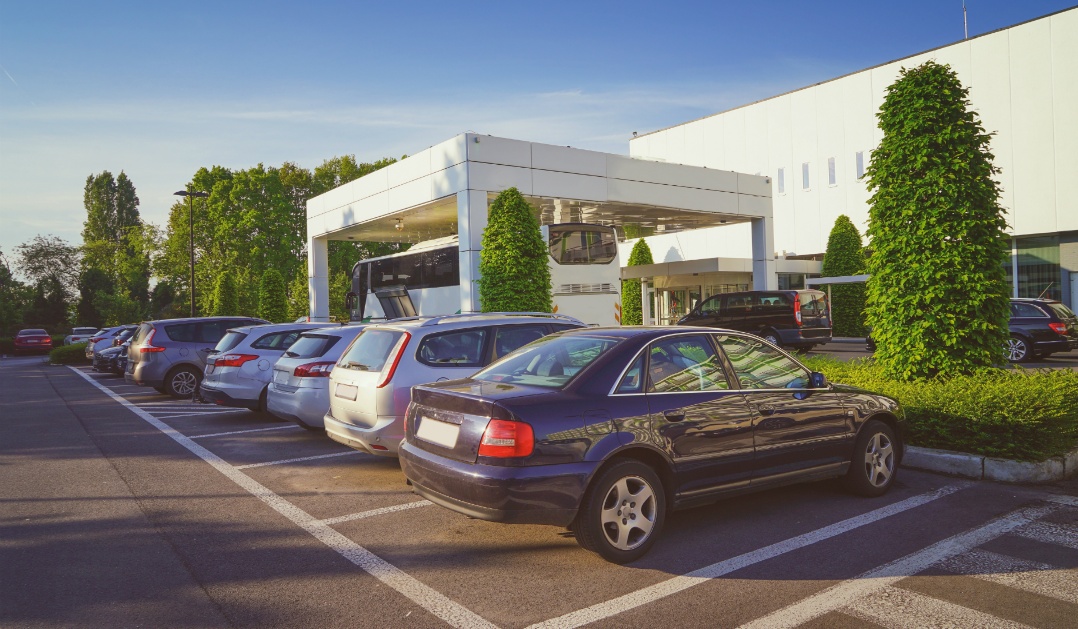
column 988, row 468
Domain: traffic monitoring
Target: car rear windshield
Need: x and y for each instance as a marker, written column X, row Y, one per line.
column 370, row 350
column 230, row 340
column 32, row 333
column 141, row 333
column 1062, row 311
column 311, row 346
column 813, row 304
column 550, row 362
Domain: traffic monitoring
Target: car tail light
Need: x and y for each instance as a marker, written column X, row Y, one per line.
column 391, row 365
column 148, row 346
column 313, row 370
column 233, row 360
column 96, row 339
column 797, row 309
column 504, row 438
column 1058, row 328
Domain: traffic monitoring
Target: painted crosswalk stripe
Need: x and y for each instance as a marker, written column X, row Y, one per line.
column 896, row 608
column 703, row 575
column 867, row 584
column 243, row 432
column 1022, row 574
column 297, row 460
column 373, row 512
column 1051, row 533
column 438, row 604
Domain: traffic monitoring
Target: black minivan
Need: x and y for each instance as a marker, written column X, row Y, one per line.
column 798, row 319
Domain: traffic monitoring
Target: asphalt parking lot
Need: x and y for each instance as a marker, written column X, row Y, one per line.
column 125, row 508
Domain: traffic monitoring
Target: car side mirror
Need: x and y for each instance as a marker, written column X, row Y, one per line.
column 818, row 381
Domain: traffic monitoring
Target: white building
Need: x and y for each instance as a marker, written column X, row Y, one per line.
column 815, row 142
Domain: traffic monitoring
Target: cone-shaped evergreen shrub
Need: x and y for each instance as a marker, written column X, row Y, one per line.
column 631, row 306
column 226, row 296
column 513, row 271
column 272, row 298
column 846, row 257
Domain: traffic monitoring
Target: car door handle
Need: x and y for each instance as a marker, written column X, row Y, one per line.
column 674, row 415
column 765, row 409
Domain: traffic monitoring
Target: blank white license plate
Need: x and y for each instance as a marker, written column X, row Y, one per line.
column 346, row 391
column 280, row 377
column 436, row 432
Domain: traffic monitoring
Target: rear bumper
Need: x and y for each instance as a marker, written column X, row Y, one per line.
column 541, row 494
column 804, row 338
column 387, row 434
column 303, row 406
column 1062, row 345
column 222, row 398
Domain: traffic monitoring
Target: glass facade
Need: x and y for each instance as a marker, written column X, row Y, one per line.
column 1038, row 267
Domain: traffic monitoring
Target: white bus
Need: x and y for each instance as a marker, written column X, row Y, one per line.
column 584, row 275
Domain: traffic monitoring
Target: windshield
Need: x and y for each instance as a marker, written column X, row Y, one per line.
column 311, row 346
column 229, row 341
column 550, row 362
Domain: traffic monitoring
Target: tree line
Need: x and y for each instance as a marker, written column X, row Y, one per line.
column 249, row 238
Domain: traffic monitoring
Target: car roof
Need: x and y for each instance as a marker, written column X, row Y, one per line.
column 649, row 331
column 195, row 319
column 276, row 327
column 477, row 319
column 1038, row 300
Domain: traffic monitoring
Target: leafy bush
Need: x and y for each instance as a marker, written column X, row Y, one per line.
column 226, row 297
column 632, row 312
column 513, row 271
column 937, row 298
column 69, row 354
column 845, row 256
column 272, row 298
column 1028, row 415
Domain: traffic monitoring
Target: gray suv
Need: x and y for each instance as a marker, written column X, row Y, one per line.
column 170, row 354
column 370, row 385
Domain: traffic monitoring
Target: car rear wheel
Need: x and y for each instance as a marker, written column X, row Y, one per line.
column 622, row 512
column 772, row 337
column 182, row 382
column 1016, row 349
column 875, row 460
column 260, row 407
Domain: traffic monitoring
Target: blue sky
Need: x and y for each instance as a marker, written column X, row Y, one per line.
column 160, row 89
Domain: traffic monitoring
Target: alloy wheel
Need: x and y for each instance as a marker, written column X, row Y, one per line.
column 629, row 512
column 879, row 460
column 1015, row 349
column 184, row 383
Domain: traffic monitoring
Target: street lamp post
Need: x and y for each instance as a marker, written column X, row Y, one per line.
column 191, row 233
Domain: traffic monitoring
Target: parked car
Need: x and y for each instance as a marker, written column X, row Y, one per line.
column 170, row 354
column 79, row 335
column 118, row 365
column 799, row 319
column 299, row 391
column 371, row 381
column 108, row 337
column 1037, row 328
column 32, row 340
column 239, row 369
column 607, row 429
column 104, row 360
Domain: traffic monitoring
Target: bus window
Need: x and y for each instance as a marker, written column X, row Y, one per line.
column 582, row 244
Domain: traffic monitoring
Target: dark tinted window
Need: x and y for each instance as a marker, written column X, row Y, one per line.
column 463, row 348
column 684, row 363
column 1062, row 311
column 1020, row 309
column 370, row 350
column 424, row 269
column 278, row 341
column 183, row 332
column 760, row 366
column 141, row 333
column 737, row 305
column 212, row 331
column 32, row 333
column 230, row 340
column 311, row 346
column 509, row 338
column 582, row 244
column 712, row 306
column 772, row 302
column 633, row 381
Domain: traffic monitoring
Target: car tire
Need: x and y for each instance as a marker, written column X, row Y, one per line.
column 161, row 390
column 622, row 513
column 875, row 460
column 260, row 406
column 1017, row 350
column 772, row 337
column 182, row 382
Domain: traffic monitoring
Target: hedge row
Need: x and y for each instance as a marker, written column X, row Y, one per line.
column 1028, row 415
column 69, row 354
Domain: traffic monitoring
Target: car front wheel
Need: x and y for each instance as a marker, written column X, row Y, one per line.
column 182, row 382
column 622, row 512
column 875, row 460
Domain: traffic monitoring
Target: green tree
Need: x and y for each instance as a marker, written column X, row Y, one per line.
column 14, row 299
column 117, row 309
column 161, row 301
column 272, row 297
column 845, row 256
column 513, row 271
column 339, row 285
column 49, row 306
column 299, row 303
column 112, row 219
column 937, row 298
column 45, row 258
column 631, row 307
column 226, row 298
column 92, row 283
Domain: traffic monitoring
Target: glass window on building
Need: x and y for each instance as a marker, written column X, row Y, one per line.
column 859, row 157
column 805, row 176
column 780, row 181
column 1038, row 267
column 832, row 176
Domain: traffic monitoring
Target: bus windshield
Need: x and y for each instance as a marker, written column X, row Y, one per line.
column 582, row 244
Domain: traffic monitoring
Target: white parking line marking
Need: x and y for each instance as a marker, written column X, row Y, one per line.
column 374, row 512
column 895, row 608
column 1051, row 533
column 173, row 414
column 302, row 458
column 677, row 584
column 1031, row 576
column 865, row 585
column 443, row 607
column 243, row 432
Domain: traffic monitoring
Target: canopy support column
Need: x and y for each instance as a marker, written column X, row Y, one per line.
column 318, row 278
